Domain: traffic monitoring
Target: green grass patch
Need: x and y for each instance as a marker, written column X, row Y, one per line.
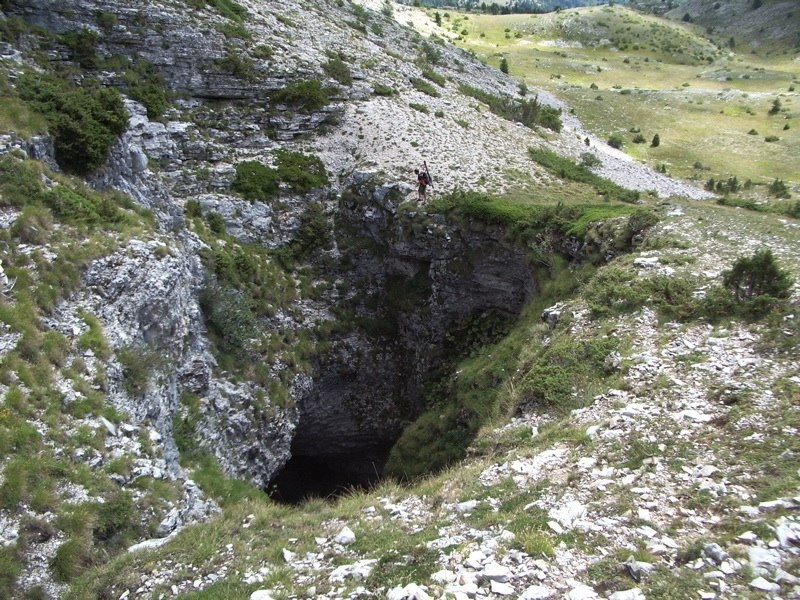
column 566, row 169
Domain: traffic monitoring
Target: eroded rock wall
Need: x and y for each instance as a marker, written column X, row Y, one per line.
column 418, row 280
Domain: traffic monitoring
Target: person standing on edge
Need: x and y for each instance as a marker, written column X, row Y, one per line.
column 423, row 181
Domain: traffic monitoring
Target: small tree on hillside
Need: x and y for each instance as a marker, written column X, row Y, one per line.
column 776, row 107
column 758, row 278
column 504, row 65
column 656, row 141
column 616, row 141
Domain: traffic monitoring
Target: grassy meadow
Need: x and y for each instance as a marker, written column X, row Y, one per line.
column 635, row 75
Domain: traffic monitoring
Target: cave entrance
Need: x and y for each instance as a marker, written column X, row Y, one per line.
column 328, row 475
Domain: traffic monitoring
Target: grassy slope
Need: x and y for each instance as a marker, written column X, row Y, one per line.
column 701, row 101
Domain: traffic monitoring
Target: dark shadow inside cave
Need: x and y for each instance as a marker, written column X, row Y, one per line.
column 327, row 476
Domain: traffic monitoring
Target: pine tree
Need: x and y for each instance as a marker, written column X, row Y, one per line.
column 504, row 65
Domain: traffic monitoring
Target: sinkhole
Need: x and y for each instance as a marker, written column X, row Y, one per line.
column 324, row 475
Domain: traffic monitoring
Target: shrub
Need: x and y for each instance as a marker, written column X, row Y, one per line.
column 313, row 234
column 105, row 20
column 435, row 77
column 423, row 86
column 216, row 223
column 589, row 160
column 616, row 141
column 82, row 206
column 229, row 313
column 771, row 138
column 336, row 68
column 84, row 121
column 10, row 568
column 305, row 96
column 638, row 139
column 146, row 85
column 236, row 64
column 137, row 367
column 614, row 290
column 504, row 65
column 380, row 89
column 757, row 276
column 419, row 107
column 303, row 172
column 117, row 521
column 255, row 181
column 227, row 8
column 82, row 45
column 93, row 338
column 778, row 189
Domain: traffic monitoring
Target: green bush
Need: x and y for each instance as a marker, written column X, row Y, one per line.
column 616, row 141
column 227, row 8
column 380, row 89
column 778, row 189
column 216, row 223
column 336, row 68
column 758, row 284
column 433, row 76
column 613, row 290
column 10, row 568
column 237, row 65
column 83, row 47
column 302, row 172
column 589, row 160
column 82, row 206
column 84, row 121
column 230, row 315
column 137, row 368
column 423, row 86
column 313, row 234
column 305, row 96
column 144, row 84
column 20, row 182
column 117, row 521
column 254, row 181
column 106, row 20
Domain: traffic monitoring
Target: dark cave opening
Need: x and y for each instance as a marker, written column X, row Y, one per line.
column 328, row 476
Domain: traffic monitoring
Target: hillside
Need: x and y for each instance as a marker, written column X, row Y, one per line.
column 719, row 113
column 240, row 360
column 765, row 26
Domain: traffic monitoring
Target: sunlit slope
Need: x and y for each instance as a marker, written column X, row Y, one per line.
column 637, row 75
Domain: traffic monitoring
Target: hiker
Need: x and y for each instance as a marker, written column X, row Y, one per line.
column 423, row 181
